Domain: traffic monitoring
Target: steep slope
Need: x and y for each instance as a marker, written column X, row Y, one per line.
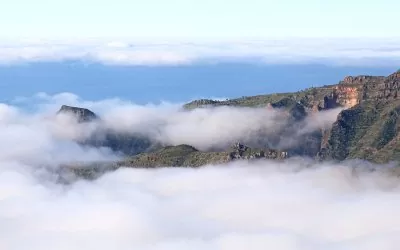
column 367, row 128
column 370, row 129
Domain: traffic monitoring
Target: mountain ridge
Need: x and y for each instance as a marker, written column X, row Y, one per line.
column 366, row 128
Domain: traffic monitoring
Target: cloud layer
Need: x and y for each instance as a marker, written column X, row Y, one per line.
column 364, row 52
column 293, row 205
column 237, row 206
column 205, row 129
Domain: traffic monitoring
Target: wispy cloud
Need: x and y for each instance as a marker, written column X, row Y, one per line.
column 334, row 51
column 211, row 128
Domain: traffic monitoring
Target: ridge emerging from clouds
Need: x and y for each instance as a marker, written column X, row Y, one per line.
column 296, row 204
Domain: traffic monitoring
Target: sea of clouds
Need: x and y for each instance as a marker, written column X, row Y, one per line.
column 293, row 205
column 169, row 124
column 348, row 52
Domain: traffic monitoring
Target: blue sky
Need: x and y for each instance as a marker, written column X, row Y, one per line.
column 197, row 19
column 142, row 84
column 196, row 48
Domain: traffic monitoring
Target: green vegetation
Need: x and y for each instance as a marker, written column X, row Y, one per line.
column 368, row 130
column 306, row 97
column 188, row 156
column 177, row 156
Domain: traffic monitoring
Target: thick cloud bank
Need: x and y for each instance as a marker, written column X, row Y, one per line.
column 364, row 52
column 292, row 205
column 260, row 206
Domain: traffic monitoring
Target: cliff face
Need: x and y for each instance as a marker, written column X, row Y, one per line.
column 354, row 90
column 368, row 129
column 348, row 96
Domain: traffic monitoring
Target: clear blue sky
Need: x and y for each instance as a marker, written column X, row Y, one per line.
column 198, row 19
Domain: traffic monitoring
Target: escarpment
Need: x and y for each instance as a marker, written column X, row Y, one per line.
column 366, row 126
column 368, row 129
column 354, row 90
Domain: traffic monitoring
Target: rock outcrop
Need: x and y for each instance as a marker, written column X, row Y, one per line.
column 368, row 129
column 81, row 114
column 354, row 90
column 241, row 151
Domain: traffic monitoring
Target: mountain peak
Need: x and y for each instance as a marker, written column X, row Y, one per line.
column 83, row 114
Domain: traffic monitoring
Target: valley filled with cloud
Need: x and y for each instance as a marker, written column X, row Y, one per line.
column 199, row 125
column 295, row 204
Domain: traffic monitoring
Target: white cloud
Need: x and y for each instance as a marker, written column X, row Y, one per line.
column 293, row 205
column 239, row 206
column 42, row 139
column 330, row 51
column 213, row 128
column 320, row 120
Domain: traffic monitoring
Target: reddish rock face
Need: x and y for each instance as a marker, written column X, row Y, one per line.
column 348, row 96
column 353, row 90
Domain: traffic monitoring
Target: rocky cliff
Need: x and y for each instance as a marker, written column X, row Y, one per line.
column 367, row 128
